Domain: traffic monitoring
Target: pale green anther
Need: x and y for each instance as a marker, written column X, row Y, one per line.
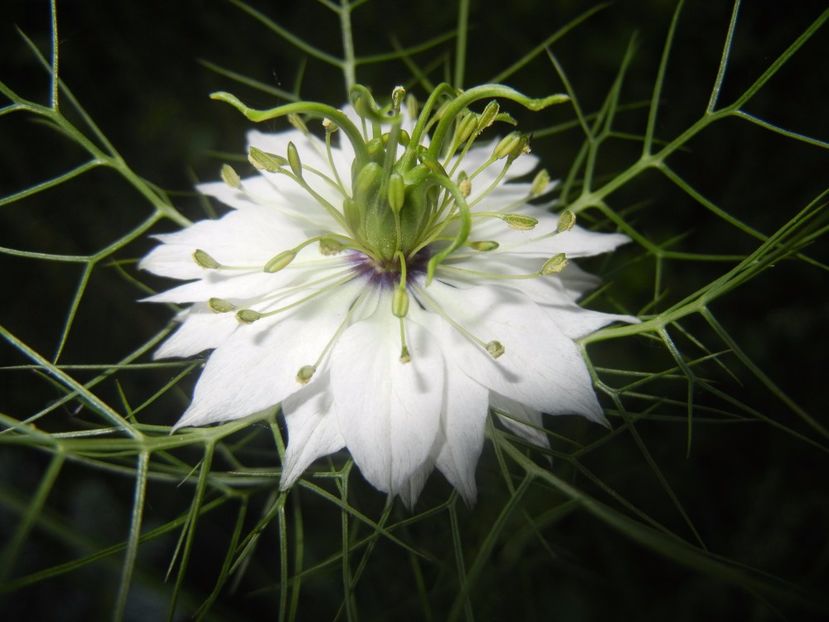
column 330, row 246
column 279, row 261
column 295, row 120
column 205, row 260
column 483, row 245
column 519, row 221
column 495, row 349
column 554, row 265
column 264, row 161
column 305, row 373
column 488, row 116
column 465, row 186
column 540, row 183
column 248, row 316
column 508, row 145
column 329, row 125
column 293, row 160
column 231, row 177
column 367, row 179
column 405, row 357
column 397, row 95
column 220, row 305
column 467, row 124
column 397, row 191
column 403, row 138
column 400, row 302
column 566, row 221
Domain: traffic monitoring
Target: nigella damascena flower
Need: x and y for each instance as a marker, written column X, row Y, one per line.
column 388, row 285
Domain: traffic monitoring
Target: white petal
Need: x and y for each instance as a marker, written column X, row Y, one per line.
column 540, row 367
column 576, row 322
column 256, row 367
column 521, row 420
column 312, row 430
column 202, row 329
column 241, row 238
column 410, row 490
column 389, row 411
column 462, row 424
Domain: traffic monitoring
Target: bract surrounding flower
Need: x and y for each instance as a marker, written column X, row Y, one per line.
column 387, row 289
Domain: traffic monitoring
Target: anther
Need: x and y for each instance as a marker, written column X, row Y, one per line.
column 329, row 126
column 248, row 316
column 553, row 265
column 464, row 184
column 495, row 349
column 280, row 261
column 483, row 245
column 305, row 373
column 205, row 260
column 400, row 302
column 519, row 221
column 487, row 117
column 220, row 305
column 293, row 160
column 397, row 95
column 566, row 221
column 330, row 246
column 540, row 183
column 466, row 125
column 396, row 191
column 405, row 357
column 264, row 161
column 508, row 145
column 231, row 177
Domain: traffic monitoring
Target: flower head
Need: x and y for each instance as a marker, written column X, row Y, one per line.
column 388, row 285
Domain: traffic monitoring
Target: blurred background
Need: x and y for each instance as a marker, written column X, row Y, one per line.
column 756, row 493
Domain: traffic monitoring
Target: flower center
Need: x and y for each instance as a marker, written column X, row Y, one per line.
column 386, row 273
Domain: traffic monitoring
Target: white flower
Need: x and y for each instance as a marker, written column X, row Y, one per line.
column 301, row 294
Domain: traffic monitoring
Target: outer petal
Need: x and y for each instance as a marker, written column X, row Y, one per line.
column 312, row 430
column 462, row 423
column 576, row 322
column 540, row 368
column 389, row 412
column 522, row 420
column 249, row 237
column 257, row 366
column 201, row 329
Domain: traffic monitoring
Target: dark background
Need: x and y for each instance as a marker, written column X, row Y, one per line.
column 756, row 494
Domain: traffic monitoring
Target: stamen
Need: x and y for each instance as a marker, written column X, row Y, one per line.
column 566, row 221
column 305, row 373
column 248, row 316
column 405, row 355
column 400, row 298
column 554, row 265
column 540, row 183
column 280, row 261
column 220, row 305
column 264, row 161
column 205, row 261
column 483, row 245
column 208, row 263
column 231, row 177
column 494, row 348
column 294, row 161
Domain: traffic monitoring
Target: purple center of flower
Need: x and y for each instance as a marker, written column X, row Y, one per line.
column 386, row 273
